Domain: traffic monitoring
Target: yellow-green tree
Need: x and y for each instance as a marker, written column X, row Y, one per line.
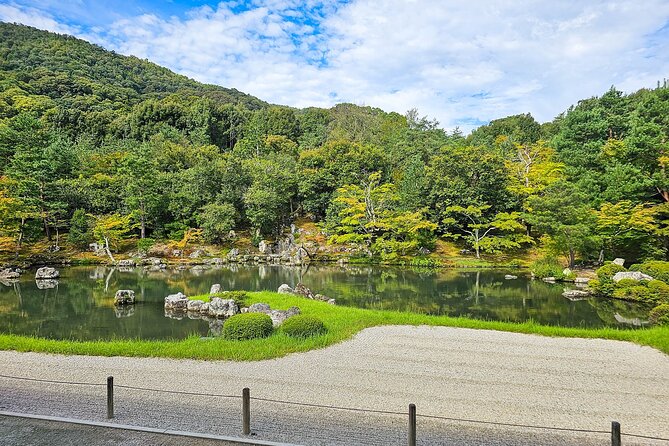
column 109, row 230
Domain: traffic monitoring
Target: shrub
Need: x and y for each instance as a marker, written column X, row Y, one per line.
column 80, row 232
column 609, row 270
column 547, row 267
column 655, row 268
column 303, row 326
column 659, row 290
column 626, row 283
column 660, row 315
column 238, row 296
column 638, row 293
column 247, row 326
column 145, row 244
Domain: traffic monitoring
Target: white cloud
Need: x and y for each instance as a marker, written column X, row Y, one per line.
column 457, row 61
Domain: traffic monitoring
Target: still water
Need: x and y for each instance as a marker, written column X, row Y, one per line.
column 81, row 305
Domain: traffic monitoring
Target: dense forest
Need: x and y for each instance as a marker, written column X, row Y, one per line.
column 104, row 147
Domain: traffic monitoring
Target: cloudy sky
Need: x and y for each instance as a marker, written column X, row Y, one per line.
column 461, row 62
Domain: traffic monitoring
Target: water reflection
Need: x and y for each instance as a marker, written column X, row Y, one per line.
column 81, row 304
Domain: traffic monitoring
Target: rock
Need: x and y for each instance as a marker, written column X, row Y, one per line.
column 285, row 289
column 215, row 327
column 278, row 316
column 634, row 275
column 259, row 308
column 8, row 282
column 332, row 302
column 9, row 274
column 222, row 307
column 566, row 272
column 217, row 261
column 549, row 279
column 619, row 262
column 46, row 273
column 510, row 277
column 204, row 308
column 265, row 247
column 234, row 252
column 582, row 280
column 321, row 297
column 124, row 297
column 174, row 314
column 176, row 302
column 46, row 284
column 302, row 290
column 215, row 288
column 194, row 305
column 197, row 254
column 127, row 263
column 575, row 294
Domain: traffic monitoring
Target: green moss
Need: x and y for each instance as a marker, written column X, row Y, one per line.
column 303, row 326
column 243, row 327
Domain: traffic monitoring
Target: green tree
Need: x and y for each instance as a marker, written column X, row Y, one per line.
column 216, row 221
column 141, row 186
column 563, row 214
column 110, row 230
column 79, row 234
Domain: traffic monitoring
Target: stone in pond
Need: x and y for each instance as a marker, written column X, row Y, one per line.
column 46, row 273
column 124, row 297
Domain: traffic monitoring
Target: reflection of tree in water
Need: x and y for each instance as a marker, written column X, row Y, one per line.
column 607, row 309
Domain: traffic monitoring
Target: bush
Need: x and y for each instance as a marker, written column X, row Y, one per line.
column 238, row 296
column 609, row 270
column 302, row 326
column 80, row 233
column 660, row 315
column 638, row 293
column 656, row 269
column 626, row 283
column 241, row 327
column 547, row 267
column 145, row 244
column 659, row 290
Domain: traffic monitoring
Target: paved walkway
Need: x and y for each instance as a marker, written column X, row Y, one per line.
column 457, row 373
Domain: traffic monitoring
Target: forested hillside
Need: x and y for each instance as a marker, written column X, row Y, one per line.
column 106, row 147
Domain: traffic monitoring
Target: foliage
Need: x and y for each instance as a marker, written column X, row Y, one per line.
column 660, row 315
column 217, row 220
column 608, row 270
column 657, row 269
column 242, row 327
column 303, row 326
column 144, row 244
column 547, row 267
column 240, row 297
column 80, row 233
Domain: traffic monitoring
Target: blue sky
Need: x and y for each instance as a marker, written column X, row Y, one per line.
column 463, row 63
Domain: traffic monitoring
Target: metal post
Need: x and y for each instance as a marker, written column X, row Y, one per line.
column 412, row 425
column 246, row 411
column 615, row 434
column 110, row 397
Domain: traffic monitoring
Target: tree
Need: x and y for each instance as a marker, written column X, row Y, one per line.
column 485, row 233
column 13, row 215
column 563, row 214
column 371, row 216
column 216, row 221
column 141, row 187
column 79, row 229
column 109, row 230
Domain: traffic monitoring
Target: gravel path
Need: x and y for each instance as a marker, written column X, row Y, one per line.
column 458, row 373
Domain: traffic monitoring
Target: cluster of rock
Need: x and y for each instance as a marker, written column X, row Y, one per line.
column 178, row 306
column 301, row 290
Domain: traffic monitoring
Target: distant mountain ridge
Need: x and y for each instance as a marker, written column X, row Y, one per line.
column 63, row 67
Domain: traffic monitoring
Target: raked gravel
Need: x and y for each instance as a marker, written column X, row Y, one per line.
column 452, row 372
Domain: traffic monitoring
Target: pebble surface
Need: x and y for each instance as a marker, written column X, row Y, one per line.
column 451, row 372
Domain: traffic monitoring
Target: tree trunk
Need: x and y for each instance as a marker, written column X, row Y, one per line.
column 108, row 251
column 19, row 241
column 572, row 257
column 476, row 243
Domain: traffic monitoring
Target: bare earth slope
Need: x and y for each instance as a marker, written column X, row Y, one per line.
column 450, row 372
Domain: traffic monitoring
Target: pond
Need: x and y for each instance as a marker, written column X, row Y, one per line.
column 81, row 305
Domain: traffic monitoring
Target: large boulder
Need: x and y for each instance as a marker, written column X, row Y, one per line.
column 46, row 273
column 124, row 297
column 575, row 294
column 215, row 288
column 9, row 274
column 222, row 307
column 634, row 275
column 176, row 302
column 302, row 290
column 619, row 262
column 194, row 305
column 285, row 289
column 278, row 316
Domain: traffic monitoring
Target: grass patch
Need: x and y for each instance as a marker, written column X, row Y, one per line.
column 341, row 324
